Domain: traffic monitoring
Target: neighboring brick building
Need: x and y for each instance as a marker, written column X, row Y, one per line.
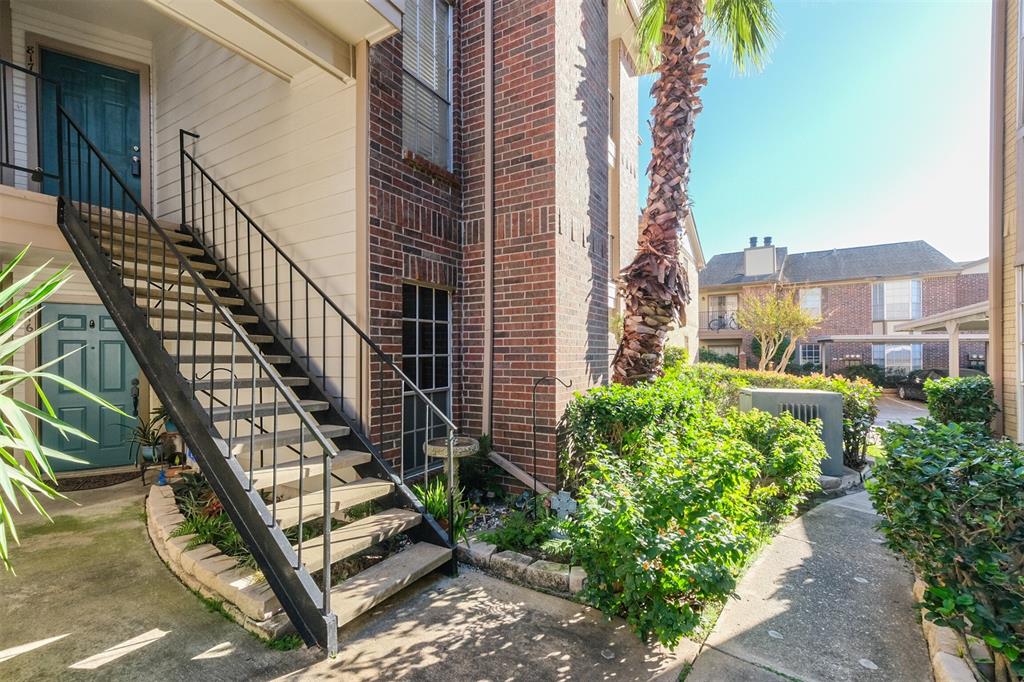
column 865, row 294
column 526, row 275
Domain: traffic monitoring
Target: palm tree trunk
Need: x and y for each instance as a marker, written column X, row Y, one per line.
column 654, row 285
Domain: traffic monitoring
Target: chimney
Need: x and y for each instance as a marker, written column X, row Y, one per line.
column 753, row 242
column 759, row 260
column 767, row 241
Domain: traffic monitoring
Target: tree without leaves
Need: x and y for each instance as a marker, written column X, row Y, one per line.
column 671, row 34
column 773, row 316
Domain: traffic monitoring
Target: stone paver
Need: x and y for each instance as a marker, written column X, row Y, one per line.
column 825, row 601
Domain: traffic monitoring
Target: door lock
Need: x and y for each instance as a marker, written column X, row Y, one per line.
column 136, row 162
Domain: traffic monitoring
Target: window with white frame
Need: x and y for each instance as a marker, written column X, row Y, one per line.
column 426, row 359
column 896, row 300
column 898, row 359
column 426, row 83
column 810, row 354
column 810, row 301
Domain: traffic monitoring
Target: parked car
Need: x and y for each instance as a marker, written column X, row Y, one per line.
column 911, row 387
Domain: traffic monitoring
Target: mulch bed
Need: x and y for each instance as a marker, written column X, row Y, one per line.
column 75, row 483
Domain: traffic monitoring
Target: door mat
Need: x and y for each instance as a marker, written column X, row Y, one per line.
column 73, row 483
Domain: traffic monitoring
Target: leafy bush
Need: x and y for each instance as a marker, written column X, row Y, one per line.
column 676, row 494
column 873, row 373
column 520, row 531
column 707, row 355
column 952, row 503
column 961, row 399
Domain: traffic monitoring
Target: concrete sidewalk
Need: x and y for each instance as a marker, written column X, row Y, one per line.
column 825, row 601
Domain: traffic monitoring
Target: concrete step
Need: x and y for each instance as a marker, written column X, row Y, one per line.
column 358, row 535
column 157, row 258
column 187, row 335
column 125, row 218
column 188, row 314
column 342, row 497
column 154, row 272
column 308, row 467
column 142, row 246
column 239, row 358
column 362, row 592
column 225, row 413
column 189, row 295
column 267, row 441
column 246, row 383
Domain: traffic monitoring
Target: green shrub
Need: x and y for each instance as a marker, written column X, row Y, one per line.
column 961, row 399
column 661, row 542
column 873, row 373
column 434, row 497
column 788, row 464
column 522, row 532
column 676, row 355
column 708, row 355
column 952, row 503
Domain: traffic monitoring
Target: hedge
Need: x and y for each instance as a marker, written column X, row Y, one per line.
column 961, row 399
column 952, row 503
column 675, row 496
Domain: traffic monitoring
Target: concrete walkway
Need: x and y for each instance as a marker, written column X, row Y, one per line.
column 825, row 602
column 93, row 601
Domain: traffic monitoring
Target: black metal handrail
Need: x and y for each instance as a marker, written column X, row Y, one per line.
column 90, row 185
column 224, row 226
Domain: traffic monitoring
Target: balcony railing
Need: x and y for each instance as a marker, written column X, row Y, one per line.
column 718, row 321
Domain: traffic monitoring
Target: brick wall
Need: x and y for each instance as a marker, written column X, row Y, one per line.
column 414, row 231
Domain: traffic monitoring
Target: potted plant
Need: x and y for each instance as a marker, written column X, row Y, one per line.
column 146, row 435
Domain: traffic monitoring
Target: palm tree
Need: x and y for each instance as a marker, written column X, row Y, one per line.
column 672, row 35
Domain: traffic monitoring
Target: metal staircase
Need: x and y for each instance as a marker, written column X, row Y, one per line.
column 271, row 397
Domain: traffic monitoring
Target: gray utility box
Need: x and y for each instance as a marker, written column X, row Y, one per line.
column 805, row 406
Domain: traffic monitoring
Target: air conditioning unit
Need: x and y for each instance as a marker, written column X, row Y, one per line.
column 805, row 406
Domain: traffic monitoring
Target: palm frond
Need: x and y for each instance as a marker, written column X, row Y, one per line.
column 744, row 28
column 648, row 33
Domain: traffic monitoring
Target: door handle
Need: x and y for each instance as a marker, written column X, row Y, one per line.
column 136, row 162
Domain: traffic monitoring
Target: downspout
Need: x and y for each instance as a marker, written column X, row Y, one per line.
column 488, row 365
column 995, row 208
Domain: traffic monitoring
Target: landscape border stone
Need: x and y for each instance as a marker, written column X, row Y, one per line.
column 944, row 647
column 241, row 592
column 539, row 574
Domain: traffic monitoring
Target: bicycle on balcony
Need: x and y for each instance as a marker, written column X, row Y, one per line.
column 722, row 322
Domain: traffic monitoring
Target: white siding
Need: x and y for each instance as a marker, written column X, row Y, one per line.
column 284, row 151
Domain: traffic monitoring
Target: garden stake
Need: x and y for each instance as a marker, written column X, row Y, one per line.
column 536, row 384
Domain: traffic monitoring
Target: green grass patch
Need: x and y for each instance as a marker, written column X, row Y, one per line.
column 289, row 642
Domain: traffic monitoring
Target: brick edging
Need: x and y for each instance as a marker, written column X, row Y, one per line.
column 944, row 648
column 548, row 576
column 242, row 592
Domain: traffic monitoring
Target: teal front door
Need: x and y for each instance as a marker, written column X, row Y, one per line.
column 104, row 102
column 103, row 365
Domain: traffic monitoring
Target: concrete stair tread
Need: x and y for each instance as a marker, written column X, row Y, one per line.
column 119, row 217
column 199, row 315
column 187, row 335
column 161, row 273
column 159, row 259
column 143, row 293
column 208, row 359
column 309, row 467
column 224, row 413
column 244, row 383
column 148, row 246
column 264, row 441
column 359, row 535
column 362, row 592
column 346, row 496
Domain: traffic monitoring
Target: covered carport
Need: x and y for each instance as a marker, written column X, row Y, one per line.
column 967, row 322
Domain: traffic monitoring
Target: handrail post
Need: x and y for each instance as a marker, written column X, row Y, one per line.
column 451, row 499
column 60, row 142
column 326, row 578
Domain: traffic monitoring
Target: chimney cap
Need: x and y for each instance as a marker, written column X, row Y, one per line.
column 753, row 242
column 767, row 241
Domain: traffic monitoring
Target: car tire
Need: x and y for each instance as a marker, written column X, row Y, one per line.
column 902, row 393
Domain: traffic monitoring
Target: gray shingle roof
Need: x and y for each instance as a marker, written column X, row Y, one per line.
column 903, row 259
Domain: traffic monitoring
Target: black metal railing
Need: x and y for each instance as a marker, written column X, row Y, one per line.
column 215, row 358
column 335, row 352
column 718, row 321
column 28, row 106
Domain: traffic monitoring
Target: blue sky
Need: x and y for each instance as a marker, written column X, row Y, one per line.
column 869, row 125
